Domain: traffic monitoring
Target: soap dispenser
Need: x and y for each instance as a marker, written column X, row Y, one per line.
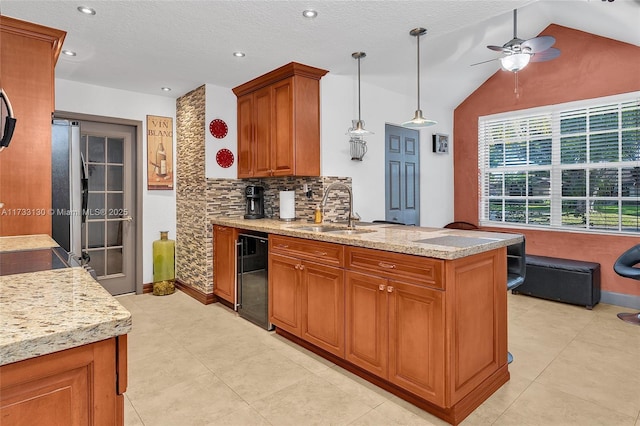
column 317, row 215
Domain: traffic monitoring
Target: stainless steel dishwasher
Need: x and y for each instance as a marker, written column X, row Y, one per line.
column 253, row 279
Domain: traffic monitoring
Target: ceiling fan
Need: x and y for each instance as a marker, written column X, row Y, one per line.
column 517, row 53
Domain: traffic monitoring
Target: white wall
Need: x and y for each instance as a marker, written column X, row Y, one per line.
column 339, row 105
column 159, row 207
column 220, row 102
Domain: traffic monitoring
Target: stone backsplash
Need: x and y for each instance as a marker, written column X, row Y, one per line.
column 226, row 196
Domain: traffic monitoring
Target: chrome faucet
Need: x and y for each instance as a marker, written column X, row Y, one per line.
column 326, row 195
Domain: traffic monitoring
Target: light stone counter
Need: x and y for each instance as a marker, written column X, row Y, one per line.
column 49, row 311
column 439, row 243
column 26, row 242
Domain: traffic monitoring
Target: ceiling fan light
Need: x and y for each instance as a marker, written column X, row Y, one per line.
column 515, row 62
column 419, row 121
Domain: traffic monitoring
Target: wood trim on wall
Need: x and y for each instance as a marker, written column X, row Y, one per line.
column 589, row 67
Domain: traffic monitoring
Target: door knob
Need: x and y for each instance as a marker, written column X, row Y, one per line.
column 127, row 219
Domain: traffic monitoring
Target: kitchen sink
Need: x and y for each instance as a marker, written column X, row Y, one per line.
column 350, row 231
column 333, row 230
column 317, row 228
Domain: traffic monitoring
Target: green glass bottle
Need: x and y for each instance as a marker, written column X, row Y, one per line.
column 163, row 258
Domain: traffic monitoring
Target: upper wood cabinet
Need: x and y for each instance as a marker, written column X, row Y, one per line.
column 28, row 54
column 279, row 123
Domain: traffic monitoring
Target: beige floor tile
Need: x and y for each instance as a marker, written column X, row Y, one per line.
column 198, row 402
column 162, row 370
column 600, row 374
column 222, row 353
column 542, row 405
column 359, row 388
column 245, row 416
column 312, row 401
column 612, row 332
column 261, row 375
column 131, row 417
column 492, row 408
column 518, row 304
column 404, row 413
column 304, row 357
column 148, row 343
column 374, row 418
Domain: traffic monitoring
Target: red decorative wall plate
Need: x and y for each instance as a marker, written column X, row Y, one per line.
column 224, row 158
column 218, row 128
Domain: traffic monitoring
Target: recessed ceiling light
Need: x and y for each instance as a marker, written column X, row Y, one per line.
column 86, row 10
column 309, row 13
column 166, row 89
column 239, row 54
column 68, row 52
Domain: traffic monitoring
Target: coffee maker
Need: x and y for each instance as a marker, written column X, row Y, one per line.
column 255, row 202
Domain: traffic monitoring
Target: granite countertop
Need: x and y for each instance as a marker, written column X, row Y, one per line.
column 26, row 242
column 439, row 243
column 49, row 311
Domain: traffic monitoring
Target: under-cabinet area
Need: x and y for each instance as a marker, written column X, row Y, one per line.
column 430, row 330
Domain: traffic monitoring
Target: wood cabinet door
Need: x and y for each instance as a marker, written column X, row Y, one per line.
column 262, row 110
column 284, row 293
column 417, row 340
column 224, row 262
column 74, row 387
column 366, row 322
column 323, row 307
column 282, row 138
column 246, row 138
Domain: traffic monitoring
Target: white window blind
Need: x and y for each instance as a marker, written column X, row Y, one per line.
column 571, row 166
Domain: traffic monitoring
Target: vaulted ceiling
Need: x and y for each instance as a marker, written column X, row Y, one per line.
column 142, row 46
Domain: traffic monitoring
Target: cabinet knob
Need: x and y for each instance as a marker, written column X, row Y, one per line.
column 301, row 267
column 390, row 289
column 297, row 266
column 386, row 265
column 381, row 287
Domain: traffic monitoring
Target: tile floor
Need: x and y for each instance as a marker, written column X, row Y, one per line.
column 191, row 364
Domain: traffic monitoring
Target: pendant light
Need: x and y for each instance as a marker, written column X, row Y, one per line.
column 358, row 146
column 418, row 120
column 358, row 126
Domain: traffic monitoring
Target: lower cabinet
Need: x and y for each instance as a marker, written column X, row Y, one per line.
column 79, row 386
column 395, row 330
column 306, row 298
column 224, row 262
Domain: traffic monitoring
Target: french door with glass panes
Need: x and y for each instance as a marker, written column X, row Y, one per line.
column 108, row 235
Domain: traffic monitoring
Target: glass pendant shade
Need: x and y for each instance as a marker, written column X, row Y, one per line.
column 418, row 120
column 515, row 62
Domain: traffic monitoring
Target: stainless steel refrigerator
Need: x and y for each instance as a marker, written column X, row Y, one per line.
column 69, row 186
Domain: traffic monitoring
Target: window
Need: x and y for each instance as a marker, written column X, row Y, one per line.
column 570, row 166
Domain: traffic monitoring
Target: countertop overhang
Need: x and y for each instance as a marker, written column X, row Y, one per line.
column 438, row 243
column 49, row 311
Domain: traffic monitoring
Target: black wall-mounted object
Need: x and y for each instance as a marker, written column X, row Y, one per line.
column 9, row 124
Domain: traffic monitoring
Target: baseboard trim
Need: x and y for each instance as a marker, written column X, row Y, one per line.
column 204, row 298
column 620, row 299
column 147, row 288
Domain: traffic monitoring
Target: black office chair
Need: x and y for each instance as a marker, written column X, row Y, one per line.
column 624, row 267
column 461, row 225
column 516, row 271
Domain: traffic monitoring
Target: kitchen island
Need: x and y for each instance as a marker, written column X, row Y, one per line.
column 63, row 346
column 421, row 312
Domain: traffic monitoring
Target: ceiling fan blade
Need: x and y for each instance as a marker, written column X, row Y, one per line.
column 538, row 44
column 499, row 48
column 546, row 55
column 484, row 62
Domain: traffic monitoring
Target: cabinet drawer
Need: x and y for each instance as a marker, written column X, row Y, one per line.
column 415, row 269
column 318, row 251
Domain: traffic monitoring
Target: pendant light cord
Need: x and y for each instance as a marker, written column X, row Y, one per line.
column 418, row 37
column 359, row 117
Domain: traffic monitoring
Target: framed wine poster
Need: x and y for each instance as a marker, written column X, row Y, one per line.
column 159, row 152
